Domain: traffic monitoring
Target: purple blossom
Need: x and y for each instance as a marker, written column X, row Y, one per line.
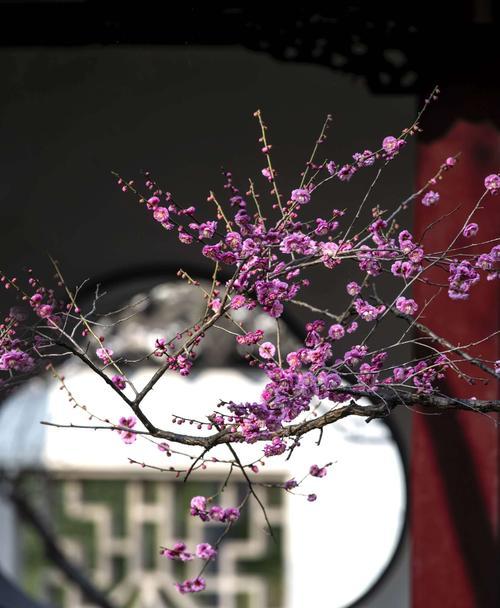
column 127, row 422
column 462, row 277
column 198, row 507
column 391, row 146
column 191, row 585
column 36, row 299
column 353, row 288
column 314, row 330
column 336, row 331
column 213, row 252
column 250, row 247
column 267, row 350
column 364, row 159
column 399, row 374
column 267, row 173
column 161, row 214
column 317, row 471
column 329, row 254
column 352, row 327
column 275, row 448
column 300, row 196
column 104, row 355
column 271, row 294
column 323, row 227
column 153, row 202
column 250, row 338
column 16, row 360
column 368, row 262
column 205, row 551
column 298, row 243
column 495, row 253
column 406, row 306
column 470, row 230
column 426, row 373
column 316, row 358
column 404, row 269
column 177, row 553
column 231, row 514
column 119, row 381
column 183, row 364
column 329, row 381
column 164, row 447
column 416, row 255
column 354, row 355
column 406, row 243
column 233, row 240
column 293, row 359
column 185, row 238
column 484, row 262
column 346, row 172
column 243, row 221
column 270, row 258
column 377, row 226
column 331, row 167
column 237, row 302
column 430, row 198
column 215, row 304
column 207, row 230
column 492, row 183
column 216, row 513
column 366, row 311
column 44, row 311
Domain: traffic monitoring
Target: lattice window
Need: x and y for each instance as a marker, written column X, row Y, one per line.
column 113, row 528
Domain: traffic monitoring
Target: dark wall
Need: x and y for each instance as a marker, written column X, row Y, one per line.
column 69, row 116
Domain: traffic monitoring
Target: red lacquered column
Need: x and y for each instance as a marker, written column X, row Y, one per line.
column 455, row 471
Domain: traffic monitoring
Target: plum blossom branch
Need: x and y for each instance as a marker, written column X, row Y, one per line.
column 262, row 253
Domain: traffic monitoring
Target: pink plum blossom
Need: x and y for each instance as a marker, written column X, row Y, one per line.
column 430, row 198
column 104, row 355
column 267, row 350
column 128, row 422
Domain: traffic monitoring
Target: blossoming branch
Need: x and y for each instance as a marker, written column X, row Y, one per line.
column 263, row 246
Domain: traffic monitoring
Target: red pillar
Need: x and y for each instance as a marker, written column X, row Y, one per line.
column 455, row 471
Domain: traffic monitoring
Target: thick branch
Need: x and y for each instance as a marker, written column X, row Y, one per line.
column 382, row 403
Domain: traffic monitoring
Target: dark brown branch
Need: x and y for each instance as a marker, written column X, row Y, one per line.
column 382, row 403
column 312, row 308
column 252, row 491
column 159, row 373
column 442, row 341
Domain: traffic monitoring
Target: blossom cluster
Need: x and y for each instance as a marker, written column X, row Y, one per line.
column 17, row 351
column 179, row 552
column 199, row 508
column 267, row 263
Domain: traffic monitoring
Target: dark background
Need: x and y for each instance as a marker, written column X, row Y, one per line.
column 87, row 88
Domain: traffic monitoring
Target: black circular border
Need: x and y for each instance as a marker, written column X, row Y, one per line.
column 164, row 272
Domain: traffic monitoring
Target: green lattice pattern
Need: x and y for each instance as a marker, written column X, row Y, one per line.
column 117, row 526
